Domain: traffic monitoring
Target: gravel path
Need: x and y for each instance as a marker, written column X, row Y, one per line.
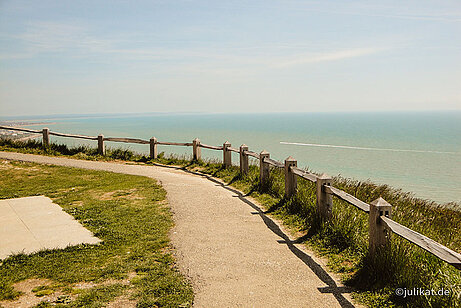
column 234, row 255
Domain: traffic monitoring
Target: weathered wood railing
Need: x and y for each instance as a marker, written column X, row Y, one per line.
column 379, row 211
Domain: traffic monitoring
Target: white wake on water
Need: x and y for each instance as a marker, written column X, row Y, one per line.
column 362, row 148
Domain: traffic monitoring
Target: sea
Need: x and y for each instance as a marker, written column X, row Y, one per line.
column 418, row 152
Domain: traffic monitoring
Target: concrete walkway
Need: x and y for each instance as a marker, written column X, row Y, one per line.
column 31, row 224
column 234, row 255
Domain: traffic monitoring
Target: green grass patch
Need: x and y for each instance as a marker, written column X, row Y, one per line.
column 32, row 146
column 127, row 212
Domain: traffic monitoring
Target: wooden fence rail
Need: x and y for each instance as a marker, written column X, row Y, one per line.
column 21, row 129
column 379, row 211
column 185, row 144
column 304, row 174
column 211, row 147
column 274, row 162
column 348, row 198
column 73, row 136
column 252, row 154
column 444, row 253
column 127, row 140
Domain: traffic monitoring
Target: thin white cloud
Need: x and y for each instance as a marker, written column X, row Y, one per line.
column 442, row 17
column 77, row 41
column 326, row 57
column 42, row 37
column 259, row 63
column 48, row 37
column 417, row 10
column 14, row 56
column 441, row 11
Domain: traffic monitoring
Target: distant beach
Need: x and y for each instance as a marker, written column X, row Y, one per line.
column 21, row 136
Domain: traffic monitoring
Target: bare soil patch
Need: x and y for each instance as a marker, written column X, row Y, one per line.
column 120, row 194
column 34, row 291
column 29, row 298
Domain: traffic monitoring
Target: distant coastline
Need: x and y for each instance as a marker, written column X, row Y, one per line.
column 20, row 136
column 23, row 123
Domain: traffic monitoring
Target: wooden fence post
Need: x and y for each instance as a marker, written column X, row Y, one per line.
column 324, row 200
column 196, row 149
column 227, row 155
column 153, row 148
column 264, row 170
column 243, row 159
column 101, row 147
column 290, row 177
column 46, row 137
column 378, row 233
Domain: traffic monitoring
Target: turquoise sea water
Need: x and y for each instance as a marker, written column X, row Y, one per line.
column 418, row 152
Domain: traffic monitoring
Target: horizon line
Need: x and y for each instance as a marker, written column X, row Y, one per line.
column 101, row 114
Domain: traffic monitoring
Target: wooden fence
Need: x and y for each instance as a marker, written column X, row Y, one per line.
column 379, row 211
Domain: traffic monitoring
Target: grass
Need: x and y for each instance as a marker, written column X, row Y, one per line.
column 127, row 212
column 344, row 239
column 32, row 146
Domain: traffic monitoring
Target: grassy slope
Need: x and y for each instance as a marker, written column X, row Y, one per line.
column 127, row 212
column 344, row 239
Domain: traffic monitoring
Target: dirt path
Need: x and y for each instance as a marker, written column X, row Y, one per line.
column 234, row 255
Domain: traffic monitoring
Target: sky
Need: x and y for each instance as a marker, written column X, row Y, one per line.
column 83, row 57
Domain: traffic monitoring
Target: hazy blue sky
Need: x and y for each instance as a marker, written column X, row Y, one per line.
column 228, row 56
